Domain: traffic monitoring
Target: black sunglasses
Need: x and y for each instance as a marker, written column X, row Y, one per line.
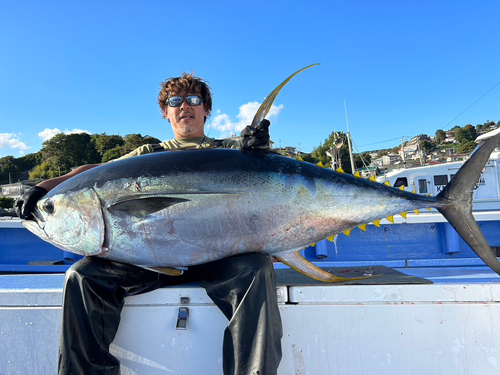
column 176, row 101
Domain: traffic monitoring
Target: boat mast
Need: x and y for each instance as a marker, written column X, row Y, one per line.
column 349, row 141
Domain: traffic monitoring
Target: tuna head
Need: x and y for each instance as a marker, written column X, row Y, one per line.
column 71, row 221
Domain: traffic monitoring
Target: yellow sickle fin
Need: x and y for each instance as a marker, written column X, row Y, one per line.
column 377, row 223
column 320, row 164
column 390, row 218
column 267, row 104
column 372, row 178
column 403, row 214
column 387, row 183
column 357, row 175
column 297, row 262
column 363, row 227
column 339, row 170
column 347, row 232
column 167, row 270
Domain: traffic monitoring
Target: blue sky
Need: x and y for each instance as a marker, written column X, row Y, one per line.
column 403, row 67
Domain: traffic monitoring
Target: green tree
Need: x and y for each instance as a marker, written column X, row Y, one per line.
column 466, row 147
column 426, row 146
column 6, row 202
column 466, row 134
column 103, row 142
column 440, row 136
column 336, row 143
column 362, row 160
column 46, row 170
column 64, row 151
column 132, row 141
column 16, row 169
column 112, row 154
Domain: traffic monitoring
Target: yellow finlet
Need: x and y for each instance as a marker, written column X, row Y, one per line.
column 429, row 209
column 387, row 183
column 357, row 175
column 372, row 178
column 402, row 187
column 416, row 212
column 363, row 227
column 300, row 159
column 403, row 214
column 339, row 170
column 414, row 192
column 347, row 232
column 390, row 218
column 320, row 164
column 376, row 223
column 331, row 238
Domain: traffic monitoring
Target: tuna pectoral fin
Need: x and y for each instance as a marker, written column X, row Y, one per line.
column 143, row 206
column 166, row 270
column 298, row 263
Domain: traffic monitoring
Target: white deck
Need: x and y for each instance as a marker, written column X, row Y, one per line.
column 450, row 327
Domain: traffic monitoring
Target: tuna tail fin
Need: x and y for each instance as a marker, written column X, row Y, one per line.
column 456, row 200
column 297, row 262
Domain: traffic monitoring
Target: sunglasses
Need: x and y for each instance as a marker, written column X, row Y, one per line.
column 176, row 101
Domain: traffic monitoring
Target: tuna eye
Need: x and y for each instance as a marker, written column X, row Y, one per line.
column 48, row 207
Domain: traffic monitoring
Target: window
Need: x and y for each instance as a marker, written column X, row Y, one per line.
column 401, row 181
column 422, row 186
column 441, row 180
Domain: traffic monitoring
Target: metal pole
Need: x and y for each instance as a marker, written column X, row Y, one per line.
column 349, row 141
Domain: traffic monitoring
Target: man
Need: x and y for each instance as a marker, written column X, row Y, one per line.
column 243, row 286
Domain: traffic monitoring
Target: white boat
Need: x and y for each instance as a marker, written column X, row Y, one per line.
column 431, row 179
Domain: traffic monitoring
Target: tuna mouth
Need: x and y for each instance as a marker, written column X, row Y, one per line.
column 37, row 228
column 38, row 219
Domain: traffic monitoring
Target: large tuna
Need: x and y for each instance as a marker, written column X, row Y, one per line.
column 180, row 208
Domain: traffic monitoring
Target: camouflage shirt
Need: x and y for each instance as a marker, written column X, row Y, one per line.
column 182, row 143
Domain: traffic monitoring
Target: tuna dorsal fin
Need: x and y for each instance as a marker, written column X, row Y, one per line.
column 300, row 264
column 143, row 205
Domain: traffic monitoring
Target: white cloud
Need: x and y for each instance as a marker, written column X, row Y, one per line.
column 11, row 140
column 49, row 133
column 223, row 123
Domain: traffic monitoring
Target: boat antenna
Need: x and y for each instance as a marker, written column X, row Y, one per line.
column 349, row 140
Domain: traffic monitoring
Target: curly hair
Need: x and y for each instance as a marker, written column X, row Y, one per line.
column 189, row 83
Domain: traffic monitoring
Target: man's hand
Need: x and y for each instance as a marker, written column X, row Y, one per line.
column 255, row 138
column 25, row 205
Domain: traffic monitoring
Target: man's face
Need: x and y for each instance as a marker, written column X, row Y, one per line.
column 187, row 121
